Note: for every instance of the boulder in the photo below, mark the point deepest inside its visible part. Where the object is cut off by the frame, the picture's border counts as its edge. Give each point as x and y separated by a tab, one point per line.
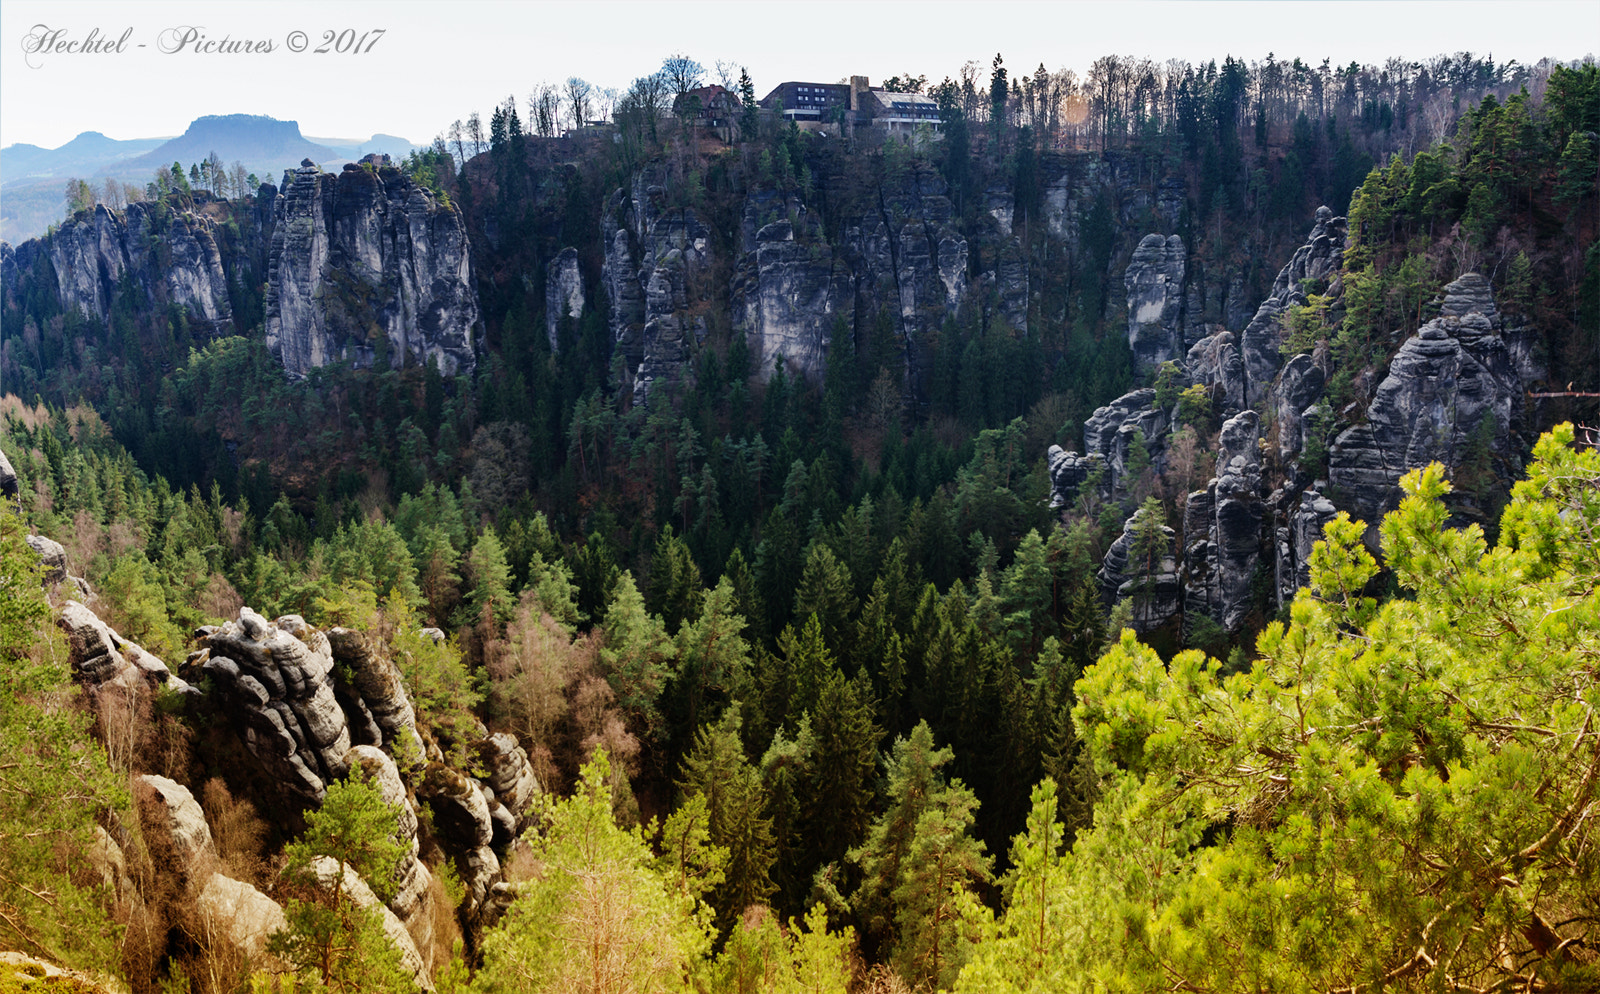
8	478
173	821
51	556
236	913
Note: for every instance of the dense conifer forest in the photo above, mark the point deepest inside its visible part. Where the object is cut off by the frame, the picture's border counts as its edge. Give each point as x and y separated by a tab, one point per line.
815	663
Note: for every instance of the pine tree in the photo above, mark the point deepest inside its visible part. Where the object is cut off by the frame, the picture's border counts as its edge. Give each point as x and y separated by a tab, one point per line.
328	935
490	596
637	656
717	770
598	916
57	781
827	592
675	587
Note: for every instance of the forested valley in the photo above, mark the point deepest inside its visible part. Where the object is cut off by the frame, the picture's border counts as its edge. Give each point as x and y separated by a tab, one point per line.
1132	532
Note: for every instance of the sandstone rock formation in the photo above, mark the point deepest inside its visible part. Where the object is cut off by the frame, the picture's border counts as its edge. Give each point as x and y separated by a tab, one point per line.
563	294
1215	362
171	257
1295	394
327	872
51	556
1140	568
1154	284
368	262
1222	527
1452	388
1111	430
100	656
412	880
510	776
654	255
279	691
175	824
1297	539
786	295
1068	472
1316	260
8	477
377	692
235	912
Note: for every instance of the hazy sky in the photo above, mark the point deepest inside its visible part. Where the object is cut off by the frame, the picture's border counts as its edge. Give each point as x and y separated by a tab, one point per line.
436	62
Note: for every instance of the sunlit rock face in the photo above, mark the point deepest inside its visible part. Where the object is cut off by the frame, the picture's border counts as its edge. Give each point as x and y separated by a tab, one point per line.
366	265
1452	393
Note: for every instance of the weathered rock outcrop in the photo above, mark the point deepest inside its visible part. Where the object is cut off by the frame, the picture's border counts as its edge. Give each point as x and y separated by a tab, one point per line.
1111	430
51	556
563	294
175	825
327	872
464	825
99	656
278	691
510	776
1140	568
1068	472
1295	395
367	263
1215	363
786	295
1154	283
8	477
170	256
1452	392
1222	527
1263	337
654	254
411	878
238	914
377	692
1297	539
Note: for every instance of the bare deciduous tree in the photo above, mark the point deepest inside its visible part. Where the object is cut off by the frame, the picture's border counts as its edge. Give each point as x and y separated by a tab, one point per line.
683	73
578	99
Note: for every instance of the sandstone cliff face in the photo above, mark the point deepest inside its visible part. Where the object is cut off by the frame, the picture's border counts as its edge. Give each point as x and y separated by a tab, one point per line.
789	288
1222	527
1452	394
1317	259
1452	387
654	254
363	263
1145	577
563	294
169	257
1155	288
